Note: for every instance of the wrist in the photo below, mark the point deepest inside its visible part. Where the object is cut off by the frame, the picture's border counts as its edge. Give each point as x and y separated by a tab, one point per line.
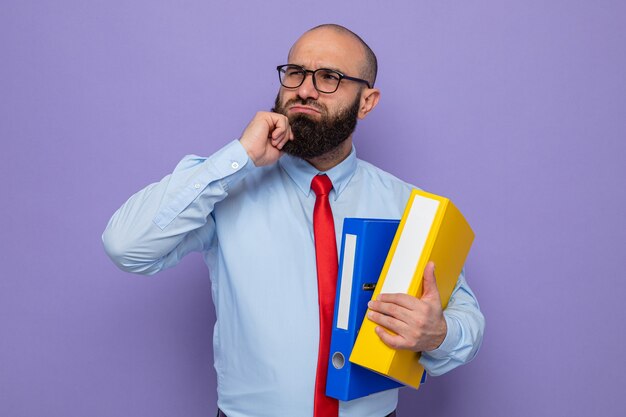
246	147
442	332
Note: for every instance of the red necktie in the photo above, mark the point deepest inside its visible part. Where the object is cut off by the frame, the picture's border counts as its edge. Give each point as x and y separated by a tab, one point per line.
326	260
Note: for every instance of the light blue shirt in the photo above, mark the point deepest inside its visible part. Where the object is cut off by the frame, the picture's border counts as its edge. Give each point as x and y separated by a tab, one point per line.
254	228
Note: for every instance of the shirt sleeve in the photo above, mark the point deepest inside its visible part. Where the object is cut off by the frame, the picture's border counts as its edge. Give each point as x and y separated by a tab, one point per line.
466	325
165	221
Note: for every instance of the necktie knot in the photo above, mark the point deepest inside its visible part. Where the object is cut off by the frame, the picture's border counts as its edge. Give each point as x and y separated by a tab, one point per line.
321	185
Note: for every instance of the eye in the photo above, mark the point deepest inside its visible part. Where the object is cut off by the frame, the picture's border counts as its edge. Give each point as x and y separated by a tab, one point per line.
293	72
329	76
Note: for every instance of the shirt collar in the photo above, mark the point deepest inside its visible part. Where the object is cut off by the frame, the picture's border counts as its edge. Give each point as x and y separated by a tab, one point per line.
301	172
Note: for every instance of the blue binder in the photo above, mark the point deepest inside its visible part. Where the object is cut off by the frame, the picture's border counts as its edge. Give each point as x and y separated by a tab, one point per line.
364	247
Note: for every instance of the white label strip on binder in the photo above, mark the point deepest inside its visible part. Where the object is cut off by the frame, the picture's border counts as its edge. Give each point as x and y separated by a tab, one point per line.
410	246
347	271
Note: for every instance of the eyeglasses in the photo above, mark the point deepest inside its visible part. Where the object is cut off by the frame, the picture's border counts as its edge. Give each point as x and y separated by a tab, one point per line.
324	80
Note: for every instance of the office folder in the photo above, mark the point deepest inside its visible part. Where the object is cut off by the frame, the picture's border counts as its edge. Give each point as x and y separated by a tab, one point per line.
364	247
431	229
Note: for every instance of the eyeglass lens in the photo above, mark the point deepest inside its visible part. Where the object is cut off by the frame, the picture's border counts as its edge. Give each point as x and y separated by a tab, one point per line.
326	81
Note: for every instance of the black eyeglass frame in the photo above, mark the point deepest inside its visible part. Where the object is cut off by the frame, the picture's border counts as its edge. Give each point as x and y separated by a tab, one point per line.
342	76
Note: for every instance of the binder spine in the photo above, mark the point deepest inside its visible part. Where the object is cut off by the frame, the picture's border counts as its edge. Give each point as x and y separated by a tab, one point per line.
364	248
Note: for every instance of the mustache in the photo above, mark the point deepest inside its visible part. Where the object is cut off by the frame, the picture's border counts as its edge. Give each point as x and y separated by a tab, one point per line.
305	102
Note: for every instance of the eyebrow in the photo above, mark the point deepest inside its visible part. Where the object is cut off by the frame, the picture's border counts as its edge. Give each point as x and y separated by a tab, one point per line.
322	67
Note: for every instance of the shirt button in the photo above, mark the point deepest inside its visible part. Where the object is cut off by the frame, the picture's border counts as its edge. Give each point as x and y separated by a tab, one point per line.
234	165
197	186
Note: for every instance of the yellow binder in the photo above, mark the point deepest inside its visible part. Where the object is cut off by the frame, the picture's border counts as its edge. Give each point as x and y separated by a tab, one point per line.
431	229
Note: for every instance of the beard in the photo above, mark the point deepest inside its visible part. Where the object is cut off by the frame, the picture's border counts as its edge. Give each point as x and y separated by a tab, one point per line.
314	138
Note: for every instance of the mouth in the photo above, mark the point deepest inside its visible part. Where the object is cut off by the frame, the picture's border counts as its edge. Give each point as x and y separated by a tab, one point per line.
303	109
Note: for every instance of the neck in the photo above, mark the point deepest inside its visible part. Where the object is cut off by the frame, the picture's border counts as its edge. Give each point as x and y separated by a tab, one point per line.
333	157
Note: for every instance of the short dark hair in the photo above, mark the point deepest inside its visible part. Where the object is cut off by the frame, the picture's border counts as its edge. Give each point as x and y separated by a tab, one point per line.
370	69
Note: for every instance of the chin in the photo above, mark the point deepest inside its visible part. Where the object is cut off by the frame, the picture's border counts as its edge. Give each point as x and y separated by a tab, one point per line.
301	115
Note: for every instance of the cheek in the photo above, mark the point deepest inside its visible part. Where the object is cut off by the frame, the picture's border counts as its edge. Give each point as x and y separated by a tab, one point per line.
337	107
279	102
286	95
343	101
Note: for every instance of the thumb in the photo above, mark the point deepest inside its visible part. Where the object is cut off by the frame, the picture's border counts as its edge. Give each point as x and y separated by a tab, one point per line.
431	292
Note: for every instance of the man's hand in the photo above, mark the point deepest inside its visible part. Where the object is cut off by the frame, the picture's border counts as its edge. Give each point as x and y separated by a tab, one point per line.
265	136
406	322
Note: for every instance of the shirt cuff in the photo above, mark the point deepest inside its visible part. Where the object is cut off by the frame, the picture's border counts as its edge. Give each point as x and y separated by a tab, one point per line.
450	342
195	175
230	164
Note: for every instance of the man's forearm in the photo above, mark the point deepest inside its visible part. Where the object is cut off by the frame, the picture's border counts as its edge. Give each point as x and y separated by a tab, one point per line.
165	221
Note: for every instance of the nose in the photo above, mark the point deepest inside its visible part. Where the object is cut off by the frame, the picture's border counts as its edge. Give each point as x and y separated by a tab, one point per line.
307	88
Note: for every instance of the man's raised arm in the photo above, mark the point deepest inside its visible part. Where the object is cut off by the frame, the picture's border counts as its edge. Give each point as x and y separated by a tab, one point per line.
165	221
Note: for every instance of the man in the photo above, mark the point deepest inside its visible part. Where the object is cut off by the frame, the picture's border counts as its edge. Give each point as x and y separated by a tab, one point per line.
249	208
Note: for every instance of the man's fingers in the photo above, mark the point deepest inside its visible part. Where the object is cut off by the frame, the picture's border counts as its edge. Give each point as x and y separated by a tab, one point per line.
278	137
281	132
400	299
278	132
280	121
265	136
392	340
431	292
285	138
407	322
392	323
390	309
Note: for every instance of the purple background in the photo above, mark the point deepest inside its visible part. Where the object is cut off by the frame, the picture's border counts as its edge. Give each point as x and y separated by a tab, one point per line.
515	110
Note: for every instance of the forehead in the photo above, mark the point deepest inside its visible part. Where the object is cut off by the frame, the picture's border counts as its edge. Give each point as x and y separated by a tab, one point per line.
327	48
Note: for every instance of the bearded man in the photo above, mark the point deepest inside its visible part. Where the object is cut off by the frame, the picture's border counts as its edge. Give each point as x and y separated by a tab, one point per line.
250	210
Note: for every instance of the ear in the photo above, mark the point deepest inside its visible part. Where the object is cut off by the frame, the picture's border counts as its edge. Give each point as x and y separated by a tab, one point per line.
369	100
